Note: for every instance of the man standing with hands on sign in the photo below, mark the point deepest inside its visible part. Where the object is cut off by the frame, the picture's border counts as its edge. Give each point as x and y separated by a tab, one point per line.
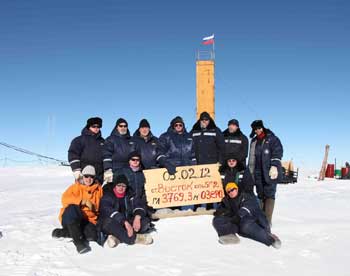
265	165
176	147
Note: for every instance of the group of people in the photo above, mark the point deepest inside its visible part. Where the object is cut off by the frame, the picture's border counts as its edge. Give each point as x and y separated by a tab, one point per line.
107	202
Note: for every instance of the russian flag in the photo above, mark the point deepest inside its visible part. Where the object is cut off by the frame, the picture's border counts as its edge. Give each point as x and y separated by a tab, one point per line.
208	40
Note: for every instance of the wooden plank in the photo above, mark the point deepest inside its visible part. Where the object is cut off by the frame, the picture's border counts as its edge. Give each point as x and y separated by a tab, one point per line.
324	164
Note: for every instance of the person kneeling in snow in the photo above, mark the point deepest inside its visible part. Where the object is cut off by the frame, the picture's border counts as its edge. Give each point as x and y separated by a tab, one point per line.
123	215
240	213
79	214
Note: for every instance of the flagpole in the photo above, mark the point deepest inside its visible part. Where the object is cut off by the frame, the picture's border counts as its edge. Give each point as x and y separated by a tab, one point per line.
214	47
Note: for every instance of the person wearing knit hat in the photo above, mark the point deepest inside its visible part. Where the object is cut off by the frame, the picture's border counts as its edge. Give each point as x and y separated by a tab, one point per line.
80	210
86	149
116	150
235	141
239	213
265	165
208	141
147	144
122	216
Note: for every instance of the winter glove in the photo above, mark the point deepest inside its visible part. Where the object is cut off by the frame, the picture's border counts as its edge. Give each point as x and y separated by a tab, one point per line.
236	220
77	175
108	176
170	168
273	173
87	203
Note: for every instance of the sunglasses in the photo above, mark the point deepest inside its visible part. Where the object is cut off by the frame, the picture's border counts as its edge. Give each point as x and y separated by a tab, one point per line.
95	126
135	159
121	185
229	191
205	120
89	176
178	125
123	126
231	160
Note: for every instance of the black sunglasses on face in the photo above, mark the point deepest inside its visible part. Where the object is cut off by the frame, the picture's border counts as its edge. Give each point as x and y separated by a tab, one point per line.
88	176
135	159
95	126
231	190
122	126
178	125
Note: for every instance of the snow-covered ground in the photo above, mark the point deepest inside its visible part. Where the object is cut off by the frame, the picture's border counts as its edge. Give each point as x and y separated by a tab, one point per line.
312	219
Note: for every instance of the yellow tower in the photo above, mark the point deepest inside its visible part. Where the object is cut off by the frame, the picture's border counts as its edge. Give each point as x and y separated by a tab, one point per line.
205	83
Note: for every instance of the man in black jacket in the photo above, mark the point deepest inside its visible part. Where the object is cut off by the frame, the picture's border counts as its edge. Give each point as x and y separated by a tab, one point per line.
208	140
86	149
235	141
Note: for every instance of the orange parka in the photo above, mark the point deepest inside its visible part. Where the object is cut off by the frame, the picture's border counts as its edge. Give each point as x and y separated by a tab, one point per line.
78	192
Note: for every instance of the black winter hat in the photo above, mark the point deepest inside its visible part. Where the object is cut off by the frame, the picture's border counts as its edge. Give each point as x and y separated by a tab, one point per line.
120	121
121	179
233	122
204	115
177	119
144	123
94	121
257	124
134	154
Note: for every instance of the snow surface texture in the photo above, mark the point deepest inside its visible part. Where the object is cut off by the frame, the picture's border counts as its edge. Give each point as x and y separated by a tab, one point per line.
312	219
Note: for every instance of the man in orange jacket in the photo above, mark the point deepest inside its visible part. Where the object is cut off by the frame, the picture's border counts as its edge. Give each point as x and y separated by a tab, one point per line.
78	216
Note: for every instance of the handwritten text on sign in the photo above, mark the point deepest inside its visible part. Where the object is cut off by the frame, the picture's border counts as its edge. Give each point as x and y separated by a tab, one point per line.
190	185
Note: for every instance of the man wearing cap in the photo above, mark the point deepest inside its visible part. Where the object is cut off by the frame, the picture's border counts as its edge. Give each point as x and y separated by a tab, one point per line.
235	141
86	149
116	150
80	210
208	140
176	146
146	144
265	164
239	213
123	216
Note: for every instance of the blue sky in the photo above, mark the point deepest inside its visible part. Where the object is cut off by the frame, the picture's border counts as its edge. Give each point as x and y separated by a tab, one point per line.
286	62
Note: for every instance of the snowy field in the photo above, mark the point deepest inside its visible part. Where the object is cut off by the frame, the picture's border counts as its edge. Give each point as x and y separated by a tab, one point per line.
311	218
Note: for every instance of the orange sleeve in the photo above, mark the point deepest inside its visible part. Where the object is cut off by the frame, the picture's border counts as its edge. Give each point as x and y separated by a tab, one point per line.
72	195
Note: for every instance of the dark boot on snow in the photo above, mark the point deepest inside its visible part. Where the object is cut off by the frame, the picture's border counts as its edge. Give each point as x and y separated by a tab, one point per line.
78	238
277	242
60	233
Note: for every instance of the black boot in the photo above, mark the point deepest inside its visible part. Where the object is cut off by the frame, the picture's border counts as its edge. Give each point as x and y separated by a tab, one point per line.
60	233
78	239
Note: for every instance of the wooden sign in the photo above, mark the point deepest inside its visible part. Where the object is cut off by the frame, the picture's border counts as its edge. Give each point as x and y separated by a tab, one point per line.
190	185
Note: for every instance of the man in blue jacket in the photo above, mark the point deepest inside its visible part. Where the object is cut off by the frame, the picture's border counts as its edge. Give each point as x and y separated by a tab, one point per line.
147	145
239	213
123	216
116	150
265	165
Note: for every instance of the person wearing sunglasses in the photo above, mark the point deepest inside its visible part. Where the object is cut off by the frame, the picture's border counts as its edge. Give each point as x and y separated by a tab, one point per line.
208	140
233	169
176	146
80	210
116	150
265	165
147	144
239	213
123	216
86	149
